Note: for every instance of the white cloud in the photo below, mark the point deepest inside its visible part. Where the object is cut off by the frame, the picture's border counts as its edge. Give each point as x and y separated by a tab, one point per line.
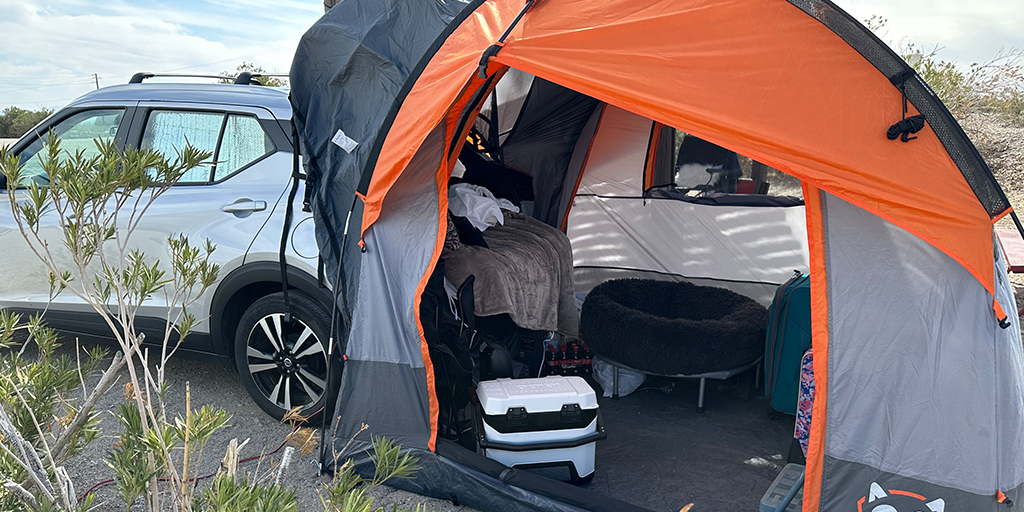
965	31
49	51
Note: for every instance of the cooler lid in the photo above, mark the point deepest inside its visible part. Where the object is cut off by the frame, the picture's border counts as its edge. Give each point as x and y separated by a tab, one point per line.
547	394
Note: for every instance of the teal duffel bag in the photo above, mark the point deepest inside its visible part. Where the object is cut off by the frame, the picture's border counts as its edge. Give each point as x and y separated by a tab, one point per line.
788	336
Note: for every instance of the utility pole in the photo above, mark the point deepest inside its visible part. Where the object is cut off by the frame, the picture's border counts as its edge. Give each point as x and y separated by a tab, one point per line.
96	76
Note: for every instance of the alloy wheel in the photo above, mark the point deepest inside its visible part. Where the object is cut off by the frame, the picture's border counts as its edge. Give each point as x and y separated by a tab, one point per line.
286	361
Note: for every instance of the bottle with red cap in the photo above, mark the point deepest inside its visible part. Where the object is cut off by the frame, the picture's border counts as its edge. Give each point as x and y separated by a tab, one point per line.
571	357
588	359
560	362
577	358
552	366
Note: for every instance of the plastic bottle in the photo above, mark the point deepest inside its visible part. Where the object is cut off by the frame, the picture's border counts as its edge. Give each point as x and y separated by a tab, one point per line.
572	356
577	359
588	359
560	361
552	364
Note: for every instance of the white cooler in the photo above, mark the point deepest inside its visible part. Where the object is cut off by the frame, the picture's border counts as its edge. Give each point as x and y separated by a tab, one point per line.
547	425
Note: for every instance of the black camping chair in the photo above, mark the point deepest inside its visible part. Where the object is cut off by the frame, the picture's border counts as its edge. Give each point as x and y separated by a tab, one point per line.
495	359
464	298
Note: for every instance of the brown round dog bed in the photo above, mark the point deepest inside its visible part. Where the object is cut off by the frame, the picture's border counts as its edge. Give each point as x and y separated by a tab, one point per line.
672	328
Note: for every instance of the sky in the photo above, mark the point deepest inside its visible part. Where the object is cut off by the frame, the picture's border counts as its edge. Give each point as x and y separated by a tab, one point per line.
50	49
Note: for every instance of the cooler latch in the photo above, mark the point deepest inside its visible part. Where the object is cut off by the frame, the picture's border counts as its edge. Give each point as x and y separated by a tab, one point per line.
571	413
516	417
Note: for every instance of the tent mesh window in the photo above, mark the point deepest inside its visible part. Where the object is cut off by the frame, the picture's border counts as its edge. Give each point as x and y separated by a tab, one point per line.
960	149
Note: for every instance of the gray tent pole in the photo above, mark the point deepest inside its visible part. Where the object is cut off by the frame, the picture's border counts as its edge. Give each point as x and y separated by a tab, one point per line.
335	313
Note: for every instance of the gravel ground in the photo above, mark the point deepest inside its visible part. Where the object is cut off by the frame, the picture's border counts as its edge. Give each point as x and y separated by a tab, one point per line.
211	383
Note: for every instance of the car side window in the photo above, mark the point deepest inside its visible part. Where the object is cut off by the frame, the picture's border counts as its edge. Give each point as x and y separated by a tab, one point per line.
76	133
244	142
235	140
168	132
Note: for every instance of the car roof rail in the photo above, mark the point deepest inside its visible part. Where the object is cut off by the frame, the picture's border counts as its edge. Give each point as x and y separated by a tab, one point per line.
243	78
247	78
137	78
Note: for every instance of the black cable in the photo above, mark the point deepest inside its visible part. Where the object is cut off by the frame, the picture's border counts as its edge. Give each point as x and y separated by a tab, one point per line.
286	229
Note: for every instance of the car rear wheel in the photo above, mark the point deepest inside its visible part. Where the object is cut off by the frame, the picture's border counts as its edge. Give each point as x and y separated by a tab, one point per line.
282	363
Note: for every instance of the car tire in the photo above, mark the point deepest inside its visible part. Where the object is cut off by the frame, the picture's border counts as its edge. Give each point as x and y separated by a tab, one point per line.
284	365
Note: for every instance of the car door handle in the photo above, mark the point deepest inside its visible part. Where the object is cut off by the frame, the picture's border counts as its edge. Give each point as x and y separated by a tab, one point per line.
244	205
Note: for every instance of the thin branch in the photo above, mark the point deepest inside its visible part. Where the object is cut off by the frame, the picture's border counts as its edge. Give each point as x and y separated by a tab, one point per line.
22	494
29	459
101	389
42	435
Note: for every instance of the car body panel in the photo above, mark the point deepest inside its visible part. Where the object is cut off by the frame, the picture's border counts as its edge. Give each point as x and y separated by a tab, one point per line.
248	239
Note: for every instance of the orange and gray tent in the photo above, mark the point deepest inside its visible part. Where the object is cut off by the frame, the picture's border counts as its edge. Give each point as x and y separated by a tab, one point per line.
919	369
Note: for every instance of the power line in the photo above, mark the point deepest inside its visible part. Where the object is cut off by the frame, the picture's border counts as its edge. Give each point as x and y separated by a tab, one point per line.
31	87
275	50
52	80
94	78
47	102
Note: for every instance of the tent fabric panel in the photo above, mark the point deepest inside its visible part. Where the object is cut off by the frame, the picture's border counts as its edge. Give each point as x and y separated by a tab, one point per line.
911	388
385	343
749	244
348	69
558	215
365	386
949	131
615	166
1009	358
653	145
470	479
442	81
543	141
510	94
663	169
442	477
902	492
729	81
816	242
398	250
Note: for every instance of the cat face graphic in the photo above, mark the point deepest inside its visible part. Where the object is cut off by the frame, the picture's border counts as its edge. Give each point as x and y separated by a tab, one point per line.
878	500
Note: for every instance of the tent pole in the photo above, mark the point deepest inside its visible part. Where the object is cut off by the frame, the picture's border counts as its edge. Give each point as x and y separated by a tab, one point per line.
1016	221
492	50
335	313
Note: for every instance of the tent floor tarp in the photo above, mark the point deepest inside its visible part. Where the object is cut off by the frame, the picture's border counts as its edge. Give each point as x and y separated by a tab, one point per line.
661	454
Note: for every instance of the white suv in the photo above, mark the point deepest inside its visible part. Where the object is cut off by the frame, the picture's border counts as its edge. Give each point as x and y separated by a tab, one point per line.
239	204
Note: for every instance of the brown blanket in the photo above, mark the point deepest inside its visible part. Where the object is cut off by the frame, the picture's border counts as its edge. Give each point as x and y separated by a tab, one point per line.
525	272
